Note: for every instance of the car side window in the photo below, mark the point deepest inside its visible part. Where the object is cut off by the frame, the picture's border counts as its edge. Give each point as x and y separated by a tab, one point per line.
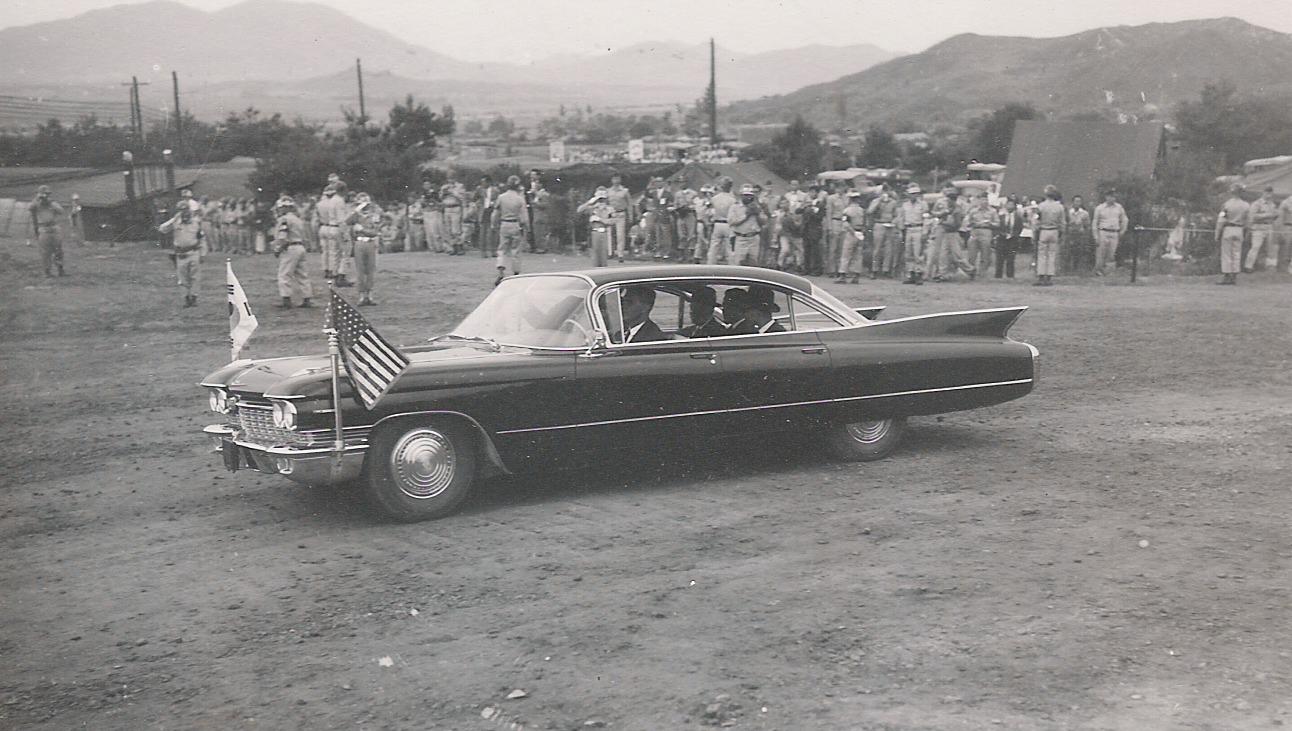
807	316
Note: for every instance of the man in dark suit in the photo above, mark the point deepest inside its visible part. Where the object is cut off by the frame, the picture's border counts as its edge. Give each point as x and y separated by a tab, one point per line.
1007	238
704	324
758	304
636	303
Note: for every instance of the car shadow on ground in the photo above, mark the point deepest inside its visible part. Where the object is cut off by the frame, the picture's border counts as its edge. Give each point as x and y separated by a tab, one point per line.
651	471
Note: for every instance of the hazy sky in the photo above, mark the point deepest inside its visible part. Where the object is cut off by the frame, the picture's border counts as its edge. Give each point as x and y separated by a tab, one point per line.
477	30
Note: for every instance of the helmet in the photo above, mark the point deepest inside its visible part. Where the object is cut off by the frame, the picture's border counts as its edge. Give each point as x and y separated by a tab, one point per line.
747	189
913	189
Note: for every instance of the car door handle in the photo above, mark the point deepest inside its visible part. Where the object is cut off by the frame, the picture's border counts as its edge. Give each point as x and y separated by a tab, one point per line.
711	357
814	350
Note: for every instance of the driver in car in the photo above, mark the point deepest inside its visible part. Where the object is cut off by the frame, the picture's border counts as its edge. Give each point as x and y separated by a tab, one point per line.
636	304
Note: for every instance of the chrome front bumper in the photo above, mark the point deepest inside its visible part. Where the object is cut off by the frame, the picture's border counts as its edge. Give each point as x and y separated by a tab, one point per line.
306	465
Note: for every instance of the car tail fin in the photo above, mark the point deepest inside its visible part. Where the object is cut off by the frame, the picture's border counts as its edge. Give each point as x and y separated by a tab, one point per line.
993	323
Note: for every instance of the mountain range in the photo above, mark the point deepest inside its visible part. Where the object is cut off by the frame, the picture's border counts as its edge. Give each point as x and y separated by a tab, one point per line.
1131	71
260	42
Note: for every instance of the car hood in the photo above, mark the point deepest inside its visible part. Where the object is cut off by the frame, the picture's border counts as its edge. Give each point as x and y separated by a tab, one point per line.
310	375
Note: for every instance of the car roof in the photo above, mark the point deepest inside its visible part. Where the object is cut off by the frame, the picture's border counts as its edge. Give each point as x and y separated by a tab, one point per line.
610	275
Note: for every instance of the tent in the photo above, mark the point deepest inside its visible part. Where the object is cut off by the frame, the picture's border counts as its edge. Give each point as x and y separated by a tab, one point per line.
1076	156
696	174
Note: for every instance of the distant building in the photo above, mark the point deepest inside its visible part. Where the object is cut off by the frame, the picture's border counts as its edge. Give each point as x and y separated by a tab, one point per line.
754	134
1076	156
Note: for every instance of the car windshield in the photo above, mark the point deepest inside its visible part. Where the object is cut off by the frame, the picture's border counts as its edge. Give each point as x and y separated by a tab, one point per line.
541	312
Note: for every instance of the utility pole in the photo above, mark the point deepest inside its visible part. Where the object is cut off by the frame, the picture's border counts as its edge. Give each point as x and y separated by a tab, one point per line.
179	118
363	110
713	94
136	111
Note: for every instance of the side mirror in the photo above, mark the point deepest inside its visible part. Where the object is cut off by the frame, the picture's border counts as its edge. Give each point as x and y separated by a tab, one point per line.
597	345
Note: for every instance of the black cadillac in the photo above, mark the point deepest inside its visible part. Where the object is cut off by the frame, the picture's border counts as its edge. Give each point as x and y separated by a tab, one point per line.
555	370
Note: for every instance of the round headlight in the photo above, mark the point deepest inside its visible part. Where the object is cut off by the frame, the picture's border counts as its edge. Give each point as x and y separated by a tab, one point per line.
219	401
284	415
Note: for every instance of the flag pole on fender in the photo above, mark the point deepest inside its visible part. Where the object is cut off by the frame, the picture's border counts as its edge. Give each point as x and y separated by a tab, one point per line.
334	354
242	321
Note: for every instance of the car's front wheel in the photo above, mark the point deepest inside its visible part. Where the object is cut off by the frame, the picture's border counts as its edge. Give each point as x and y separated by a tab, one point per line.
420	471
866	441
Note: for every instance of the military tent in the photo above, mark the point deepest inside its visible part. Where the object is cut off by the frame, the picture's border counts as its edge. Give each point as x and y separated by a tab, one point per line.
1076	156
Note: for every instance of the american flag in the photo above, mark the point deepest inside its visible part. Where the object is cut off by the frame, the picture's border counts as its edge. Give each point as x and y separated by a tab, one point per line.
373	364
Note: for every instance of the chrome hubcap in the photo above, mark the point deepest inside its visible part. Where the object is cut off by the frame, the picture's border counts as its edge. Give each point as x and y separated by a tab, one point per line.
869	432
423	463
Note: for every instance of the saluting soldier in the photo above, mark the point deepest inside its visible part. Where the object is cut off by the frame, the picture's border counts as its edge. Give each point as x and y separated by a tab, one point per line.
850	256
365	227
836	229
289	247
912	217
883	212
45	217
983	222
186	234
949	212
1261	217
513	215
540	214
1231	225
621	200
746	218
684	218
600	222
703	206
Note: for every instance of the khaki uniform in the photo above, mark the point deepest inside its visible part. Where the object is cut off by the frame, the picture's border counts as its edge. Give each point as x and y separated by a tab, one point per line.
1051	220
1261	217
331	213
720	238
513	215
885	235
982	223
1230	227
365	228
451	210
600	230
851	251
910	221
684	219
746	224
415	231
944	255
836	231
45	218
289	243
187	248
1109	223
621	200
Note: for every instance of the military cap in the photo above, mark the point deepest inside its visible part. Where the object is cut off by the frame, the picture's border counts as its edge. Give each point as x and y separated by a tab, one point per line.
76	196
854	193
1052	190
913	189
747	189
601	192
42	190
1237	188
513	181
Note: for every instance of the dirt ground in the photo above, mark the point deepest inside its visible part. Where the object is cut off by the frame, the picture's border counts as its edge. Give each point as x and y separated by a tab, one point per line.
1111	552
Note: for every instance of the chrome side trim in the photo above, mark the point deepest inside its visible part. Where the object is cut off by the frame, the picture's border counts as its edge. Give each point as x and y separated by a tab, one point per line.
771	406
1021	309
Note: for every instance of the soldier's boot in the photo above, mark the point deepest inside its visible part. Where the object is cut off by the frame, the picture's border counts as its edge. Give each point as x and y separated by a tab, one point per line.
327	274
305	303
910	279
286	304
341	281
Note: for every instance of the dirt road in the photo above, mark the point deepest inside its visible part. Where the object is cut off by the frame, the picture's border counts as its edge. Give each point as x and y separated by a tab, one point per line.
1111	552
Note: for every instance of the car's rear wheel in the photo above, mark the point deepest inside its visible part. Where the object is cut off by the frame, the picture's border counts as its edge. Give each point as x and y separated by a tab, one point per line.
866	441
420	470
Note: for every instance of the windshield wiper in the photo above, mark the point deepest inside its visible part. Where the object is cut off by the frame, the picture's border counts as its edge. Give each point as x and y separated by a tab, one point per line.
467	338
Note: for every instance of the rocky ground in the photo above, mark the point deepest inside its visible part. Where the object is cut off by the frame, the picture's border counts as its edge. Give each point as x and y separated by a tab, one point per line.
1111	552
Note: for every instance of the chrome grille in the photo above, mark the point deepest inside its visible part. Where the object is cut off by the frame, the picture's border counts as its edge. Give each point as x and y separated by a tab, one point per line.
257	421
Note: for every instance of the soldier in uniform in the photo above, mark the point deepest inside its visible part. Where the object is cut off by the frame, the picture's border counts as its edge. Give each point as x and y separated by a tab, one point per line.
289	247
1077	243
1283	255
331	213
684	221
621	200
470	222
415	231
1011	225
513	217
791	234
540	213
983	223
702	205
600	221
1231	225
883	212
45	218
945	252
746	218
1051	222
813	231
365	225
720	232
78	221
910	220
1109	223
836	229
1260	222
451	201
186	234
851	258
